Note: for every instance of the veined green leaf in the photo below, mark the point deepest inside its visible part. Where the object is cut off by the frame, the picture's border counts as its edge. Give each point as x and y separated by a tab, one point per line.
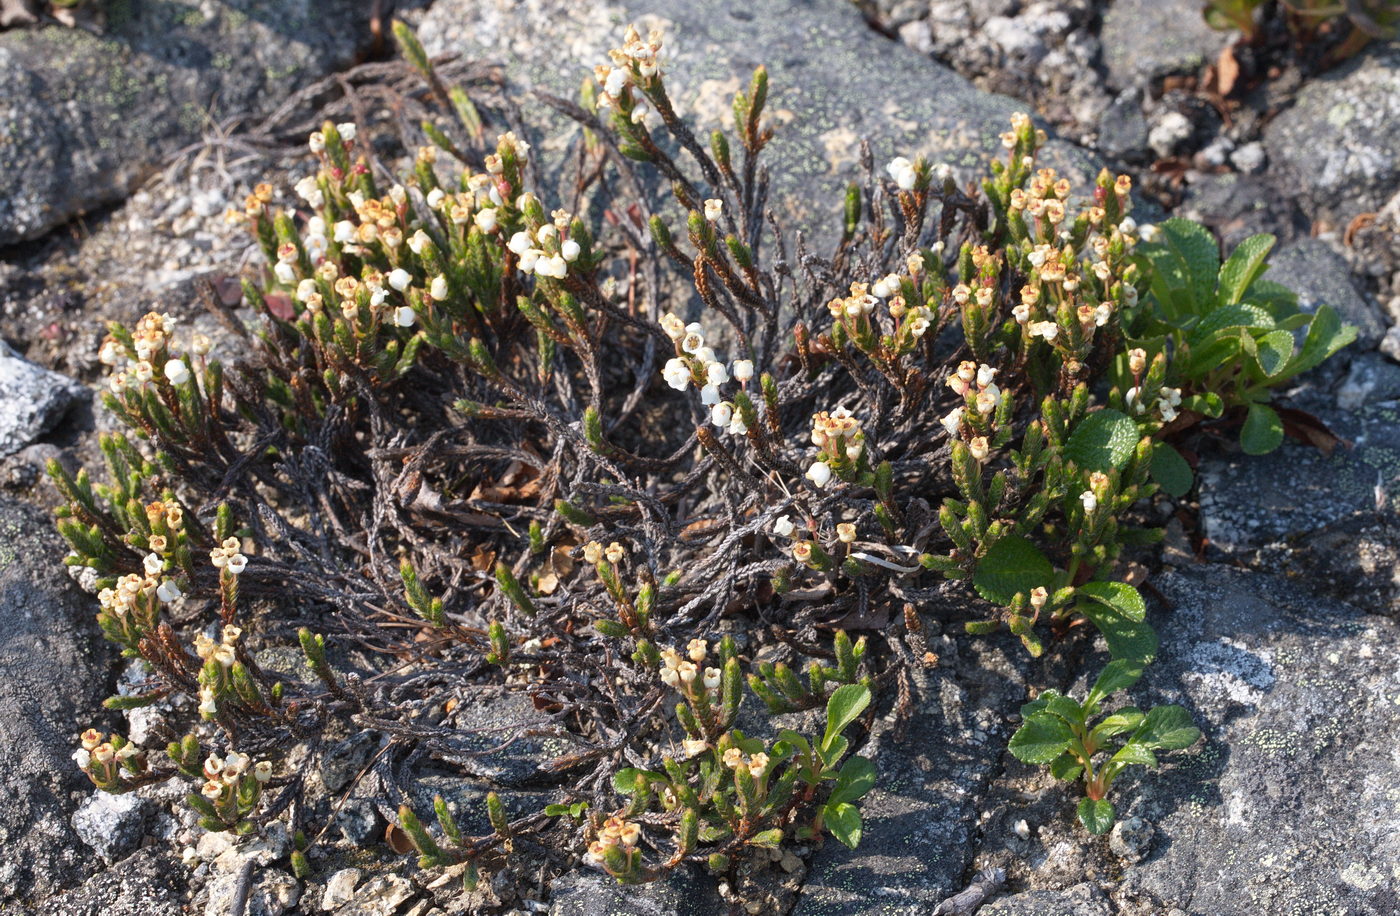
1245	265
1170	471
1041	738
1103	441
1120	596
847	702
1168	728
1262	432
1096	816
1012	565
1273	351
1118	674
843	820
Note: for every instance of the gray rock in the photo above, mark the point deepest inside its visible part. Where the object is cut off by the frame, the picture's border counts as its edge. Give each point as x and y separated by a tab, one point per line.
1145	40
1338	147
112	825
1312	269
340	888
53	674
920	820
497	721
1250	158
32	399
229	855
1248	501
1122	127
824	95
1371	379
1080	900
89	116
344	760
1131	839
1171	131
360	822
1237	206
1357	560
150	881
682	893
380	896
1289	806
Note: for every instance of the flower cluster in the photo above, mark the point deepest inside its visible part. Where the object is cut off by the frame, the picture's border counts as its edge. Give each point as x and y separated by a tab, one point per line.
985	406
682	673
1168	402
107	760
696	363
855	320
548	251
220	658
637	61
842	442
142	355
222	773
129	592
220	652
595	552
616	835
229	556
756	764
232	788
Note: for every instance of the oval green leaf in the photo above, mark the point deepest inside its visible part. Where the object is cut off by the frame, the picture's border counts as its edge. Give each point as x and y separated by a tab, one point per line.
1096	816
1012	565
1170	471
1120	596
847	702
1273	351
1103	441
1041	739
843	820
1263	430
1169	728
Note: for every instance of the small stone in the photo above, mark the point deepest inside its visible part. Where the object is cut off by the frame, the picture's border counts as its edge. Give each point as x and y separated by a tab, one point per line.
359	821
207	203
1122	128
380	897
1131	839
1171	131
270	844
1390	343
272	893
1216	153
1250	158
141	724
32	400
340	888
113	825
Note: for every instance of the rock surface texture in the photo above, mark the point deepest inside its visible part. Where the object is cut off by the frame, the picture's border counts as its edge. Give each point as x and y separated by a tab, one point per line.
1290	805
1339	145
32	400
51	682
87	117
833	82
